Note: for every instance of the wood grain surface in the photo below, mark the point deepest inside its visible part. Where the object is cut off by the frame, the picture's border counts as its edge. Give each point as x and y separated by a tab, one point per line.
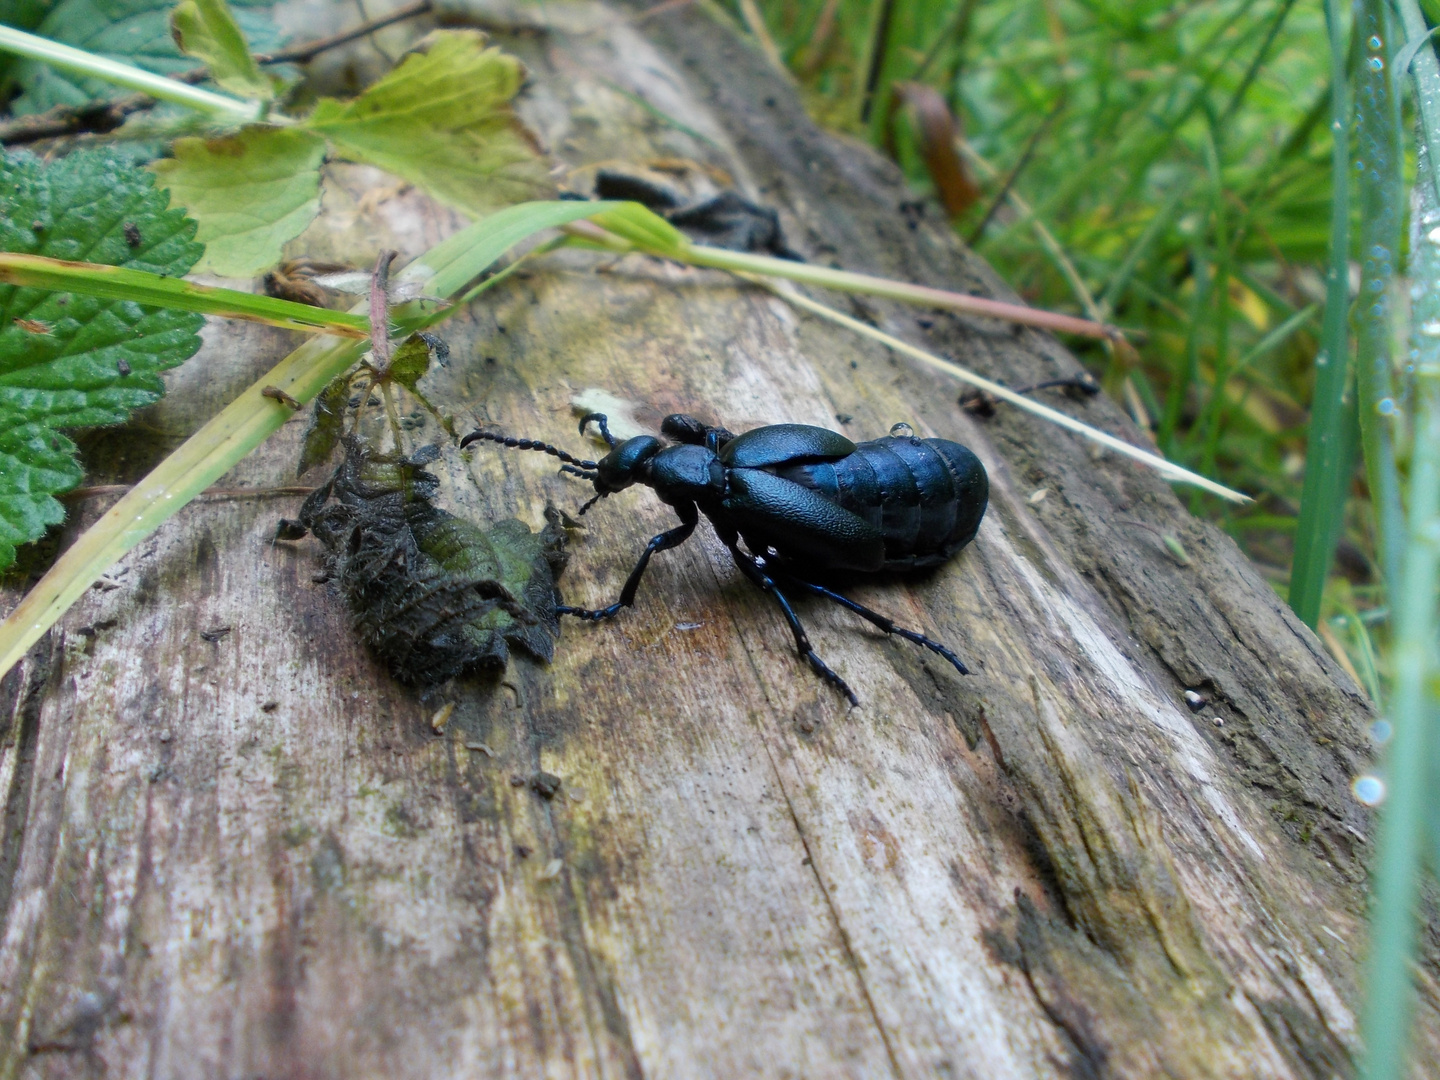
234	847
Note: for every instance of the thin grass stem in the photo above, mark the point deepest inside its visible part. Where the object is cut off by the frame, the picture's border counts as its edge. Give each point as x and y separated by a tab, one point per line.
127	75
1168	469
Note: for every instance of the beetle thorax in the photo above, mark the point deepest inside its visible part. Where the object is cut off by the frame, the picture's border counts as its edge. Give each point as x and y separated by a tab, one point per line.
686	474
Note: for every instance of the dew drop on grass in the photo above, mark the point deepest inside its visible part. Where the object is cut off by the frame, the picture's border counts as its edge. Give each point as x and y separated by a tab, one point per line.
1368	789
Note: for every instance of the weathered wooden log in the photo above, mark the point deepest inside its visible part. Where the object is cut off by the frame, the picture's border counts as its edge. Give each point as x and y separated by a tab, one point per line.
234	846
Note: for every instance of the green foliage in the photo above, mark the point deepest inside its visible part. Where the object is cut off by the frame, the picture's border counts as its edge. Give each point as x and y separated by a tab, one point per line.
442	120
251	192
136	31
68	360
206	30
1181	159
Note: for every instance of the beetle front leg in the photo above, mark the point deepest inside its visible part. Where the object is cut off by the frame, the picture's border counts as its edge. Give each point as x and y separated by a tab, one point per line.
751	568
689	518
881	621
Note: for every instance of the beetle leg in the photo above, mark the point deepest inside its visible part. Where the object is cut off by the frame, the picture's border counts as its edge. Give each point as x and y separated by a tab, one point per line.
881	621
751	568
689	518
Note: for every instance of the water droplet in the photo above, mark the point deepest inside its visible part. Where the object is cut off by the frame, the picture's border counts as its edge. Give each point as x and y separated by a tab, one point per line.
1431	328
1385	407
1380	732
1433	236
1375	43
902	430
1376	64
1379	251
1368	789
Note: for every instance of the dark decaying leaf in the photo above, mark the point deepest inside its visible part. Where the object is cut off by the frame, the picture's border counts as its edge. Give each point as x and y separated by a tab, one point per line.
411	361
326	421
433	595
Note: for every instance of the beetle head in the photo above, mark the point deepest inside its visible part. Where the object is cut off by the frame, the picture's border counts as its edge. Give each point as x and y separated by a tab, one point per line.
626	464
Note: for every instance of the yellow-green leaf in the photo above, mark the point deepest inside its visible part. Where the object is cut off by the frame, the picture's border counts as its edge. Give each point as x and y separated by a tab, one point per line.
443	121
251	192
206	30
644	228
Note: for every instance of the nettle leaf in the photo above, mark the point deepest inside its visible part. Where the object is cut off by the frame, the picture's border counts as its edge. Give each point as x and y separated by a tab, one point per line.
251	192
69	360
206	30
136	31
443	121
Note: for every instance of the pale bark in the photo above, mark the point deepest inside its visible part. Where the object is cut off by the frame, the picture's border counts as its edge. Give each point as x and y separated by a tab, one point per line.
253	857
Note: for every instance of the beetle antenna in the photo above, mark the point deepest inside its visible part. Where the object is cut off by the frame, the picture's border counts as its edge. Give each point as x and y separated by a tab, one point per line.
603	421
526	444
582	473
591	503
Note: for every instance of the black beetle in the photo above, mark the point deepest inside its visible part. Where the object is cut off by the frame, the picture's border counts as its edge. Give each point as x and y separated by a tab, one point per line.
808	503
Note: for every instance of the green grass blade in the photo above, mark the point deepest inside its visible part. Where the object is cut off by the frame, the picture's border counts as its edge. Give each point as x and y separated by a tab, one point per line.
1381	197
252	417
1389	1001
118	283
1330	446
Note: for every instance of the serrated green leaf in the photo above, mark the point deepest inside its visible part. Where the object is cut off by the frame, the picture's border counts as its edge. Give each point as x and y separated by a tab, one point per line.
251	192
68	360
206	30
137	31
326	422
443	121
34	462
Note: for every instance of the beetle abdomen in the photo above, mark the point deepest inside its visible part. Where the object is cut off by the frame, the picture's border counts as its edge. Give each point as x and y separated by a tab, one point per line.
925	496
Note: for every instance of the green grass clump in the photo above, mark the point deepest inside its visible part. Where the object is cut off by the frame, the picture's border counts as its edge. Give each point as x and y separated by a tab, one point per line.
1180	154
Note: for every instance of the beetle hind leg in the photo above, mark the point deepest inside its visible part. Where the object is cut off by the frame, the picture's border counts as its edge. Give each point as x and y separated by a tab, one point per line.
751	568
876	619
